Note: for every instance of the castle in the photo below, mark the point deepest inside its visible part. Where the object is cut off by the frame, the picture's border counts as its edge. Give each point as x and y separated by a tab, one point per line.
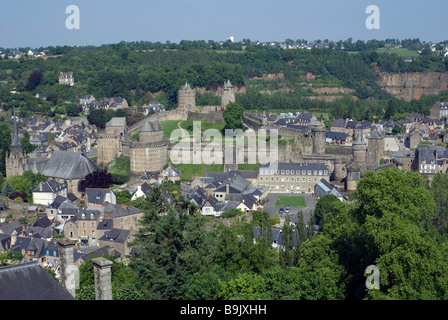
150	151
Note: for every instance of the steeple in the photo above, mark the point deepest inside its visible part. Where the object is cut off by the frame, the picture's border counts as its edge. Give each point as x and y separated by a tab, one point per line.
16	144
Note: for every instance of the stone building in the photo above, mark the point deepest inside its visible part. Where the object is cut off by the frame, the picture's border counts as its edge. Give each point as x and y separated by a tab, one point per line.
359	150
66	78
186	98
375	148
292	177
150	152
110	143
16	160
318	134
69	167
228	95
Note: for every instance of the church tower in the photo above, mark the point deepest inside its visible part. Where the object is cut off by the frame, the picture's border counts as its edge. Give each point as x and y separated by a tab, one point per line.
16	160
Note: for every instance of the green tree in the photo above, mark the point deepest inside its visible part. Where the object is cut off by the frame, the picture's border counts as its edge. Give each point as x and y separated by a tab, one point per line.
7	189
289	251
27	146
233	116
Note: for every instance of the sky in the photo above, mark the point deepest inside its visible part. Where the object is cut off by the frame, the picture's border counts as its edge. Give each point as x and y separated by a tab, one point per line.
31	23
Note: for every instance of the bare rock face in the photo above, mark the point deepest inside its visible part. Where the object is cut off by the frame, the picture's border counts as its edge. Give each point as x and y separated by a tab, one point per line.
408	86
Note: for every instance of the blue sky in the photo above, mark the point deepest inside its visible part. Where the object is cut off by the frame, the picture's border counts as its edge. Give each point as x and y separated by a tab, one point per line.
30	23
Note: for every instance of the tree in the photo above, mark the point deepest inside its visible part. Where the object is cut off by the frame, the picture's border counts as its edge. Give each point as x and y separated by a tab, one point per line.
27	146
7	189
96	179
97	117
289	252
34	80
20	184
233	116
72	110
324	205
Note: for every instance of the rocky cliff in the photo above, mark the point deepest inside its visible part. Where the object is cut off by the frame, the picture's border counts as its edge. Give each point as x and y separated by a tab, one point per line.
410	86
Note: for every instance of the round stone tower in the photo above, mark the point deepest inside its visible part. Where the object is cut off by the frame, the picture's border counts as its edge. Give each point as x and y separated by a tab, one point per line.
318	134
353	175
359	150
186	98
228	95
375	148
339	170
150	153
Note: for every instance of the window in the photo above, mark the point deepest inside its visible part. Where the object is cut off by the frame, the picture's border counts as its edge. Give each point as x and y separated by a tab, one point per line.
287	171
297	172
261	178
314	172
55	253
283	171
303	172
309	172
92	216
325	172
83	216
320	172
47	252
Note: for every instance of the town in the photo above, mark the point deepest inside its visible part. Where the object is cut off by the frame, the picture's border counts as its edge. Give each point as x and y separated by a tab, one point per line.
79	190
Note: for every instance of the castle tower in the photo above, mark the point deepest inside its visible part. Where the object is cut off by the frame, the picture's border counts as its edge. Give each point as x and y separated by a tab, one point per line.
264	119
109	143
228	95
186	98
16	160
375	148
318	134
353	175
359	150
150	153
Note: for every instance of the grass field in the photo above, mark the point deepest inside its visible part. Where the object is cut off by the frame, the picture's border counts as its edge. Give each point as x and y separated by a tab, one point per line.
402	52
293	201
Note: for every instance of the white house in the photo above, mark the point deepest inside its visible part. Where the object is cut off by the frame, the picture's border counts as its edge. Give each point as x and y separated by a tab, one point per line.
45	193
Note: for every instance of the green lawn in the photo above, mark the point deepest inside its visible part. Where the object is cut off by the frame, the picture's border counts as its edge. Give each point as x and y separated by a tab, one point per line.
188	171
293	201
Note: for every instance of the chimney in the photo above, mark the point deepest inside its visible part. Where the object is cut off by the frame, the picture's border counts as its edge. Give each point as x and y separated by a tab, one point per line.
227	189
68	269
40	186
103	278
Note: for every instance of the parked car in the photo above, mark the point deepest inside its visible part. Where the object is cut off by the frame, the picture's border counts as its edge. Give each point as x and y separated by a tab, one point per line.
280	210
287	209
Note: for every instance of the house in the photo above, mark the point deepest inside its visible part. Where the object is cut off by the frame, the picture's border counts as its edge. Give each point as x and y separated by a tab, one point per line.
323	187
116	103
66	78
144	190
124	216
231	188
338	138
439	111
153	107
97	197
277	237
170	173
46	192
86	99
82	227
248	203
117	239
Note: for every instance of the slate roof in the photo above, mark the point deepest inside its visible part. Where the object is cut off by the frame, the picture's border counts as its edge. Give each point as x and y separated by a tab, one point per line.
116	122
151	126
97	195
29	281
116	235
51	186
338	123
120	210
105	224
359	140
336	135
296	166
68	165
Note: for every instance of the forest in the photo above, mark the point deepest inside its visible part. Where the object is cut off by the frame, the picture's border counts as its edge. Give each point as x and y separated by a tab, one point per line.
396	221
142	71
